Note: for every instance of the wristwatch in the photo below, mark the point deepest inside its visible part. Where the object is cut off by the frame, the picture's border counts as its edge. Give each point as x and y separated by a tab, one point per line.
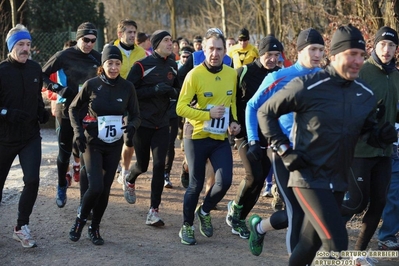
282	149
3	112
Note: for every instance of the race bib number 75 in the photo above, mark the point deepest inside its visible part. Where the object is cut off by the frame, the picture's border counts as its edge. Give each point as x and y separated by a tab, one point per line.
109	128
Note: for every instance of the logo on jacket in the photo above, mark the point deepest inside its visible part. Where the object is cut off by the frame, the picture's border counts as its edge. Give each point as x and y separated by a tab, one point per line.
208	94
170	76
35	80
100	87
359	179
218	78
230	92
359	94
119	100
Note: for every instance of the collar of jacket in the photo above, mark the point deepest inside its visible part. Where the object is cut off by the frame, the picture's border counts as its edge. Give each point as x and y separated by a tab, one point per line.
15	62
337	78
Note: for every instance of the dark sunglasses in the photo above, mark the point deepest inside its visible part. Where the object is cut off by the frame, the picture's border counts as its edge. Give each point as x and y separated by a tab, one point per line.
87	40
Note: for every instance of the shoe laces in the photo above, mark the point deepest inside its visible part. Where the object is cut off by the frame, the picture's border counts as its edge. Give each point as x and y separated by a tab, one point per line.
61	192
236	212
154	212
130	187
243	225
188	230
25	232
95	232
207	220
77	226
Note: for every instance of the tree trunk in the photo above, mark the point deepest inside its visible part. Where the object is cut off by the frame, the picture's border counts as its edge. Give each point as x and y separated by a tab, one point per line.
171	5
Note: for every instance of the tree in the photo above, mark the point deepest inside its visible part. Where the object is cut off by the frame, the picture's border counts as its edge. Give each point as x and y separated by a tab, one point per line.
61	15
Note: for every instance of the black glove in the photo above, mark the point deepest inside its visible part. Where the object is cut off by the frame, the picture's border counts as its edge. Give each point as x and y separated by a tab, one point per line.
16	116
387	134
254	152
43	116
64	92
162	88
380	111
129	130
80	141
294	160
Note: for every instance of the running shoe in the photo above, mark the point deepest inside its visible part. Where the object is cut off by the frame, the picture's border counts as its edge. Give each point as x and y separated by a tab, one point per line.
365	261
205	222
388	245
94	235
233	213
61	197
255	239
240	229
76	230
167	182
129	192
24	237
122	176
186	235
268	192
153	218
277	202
76	172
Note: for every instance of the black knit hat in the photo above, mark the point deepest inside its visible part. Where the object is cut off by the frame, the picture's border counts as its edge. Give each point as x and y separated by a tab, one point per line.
111	52
269	43
86	28
308	36
346	37
386	33
244	34
157	37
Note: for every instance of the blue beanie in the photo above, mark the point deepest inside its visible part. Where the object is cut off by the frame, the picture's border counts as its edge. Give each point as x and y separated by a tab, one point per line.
13	39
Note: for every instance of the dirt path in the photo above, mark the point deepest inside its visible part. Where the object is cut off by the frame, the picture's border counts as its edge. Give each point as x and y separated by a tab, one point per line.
128	241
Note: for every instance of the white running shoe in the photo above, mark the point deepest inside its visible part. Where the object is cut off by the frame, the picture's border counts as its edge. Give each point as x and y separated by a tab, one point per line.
24	237
123	175
153	218
129	192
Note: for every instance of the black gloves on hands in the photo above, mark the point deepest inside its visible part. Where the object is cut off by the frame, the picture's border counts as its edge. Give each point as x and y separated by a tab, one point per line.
80	141
387	134
129	130
254	152
294	160
43	116
59	89
162	89
16	116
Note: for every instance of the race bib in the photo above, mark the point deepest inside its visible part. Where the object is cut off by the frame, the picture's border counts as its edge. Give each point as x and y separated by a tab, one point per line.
109	128
217	126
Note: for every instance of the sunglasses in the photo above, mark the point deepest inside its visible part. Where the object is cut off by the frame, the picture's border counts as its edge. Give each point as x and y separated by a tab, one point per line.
87	40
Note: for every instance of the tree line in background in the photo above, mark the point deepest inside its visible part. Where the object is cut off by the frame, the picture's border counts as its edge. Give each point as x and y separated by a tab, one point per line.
186	18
